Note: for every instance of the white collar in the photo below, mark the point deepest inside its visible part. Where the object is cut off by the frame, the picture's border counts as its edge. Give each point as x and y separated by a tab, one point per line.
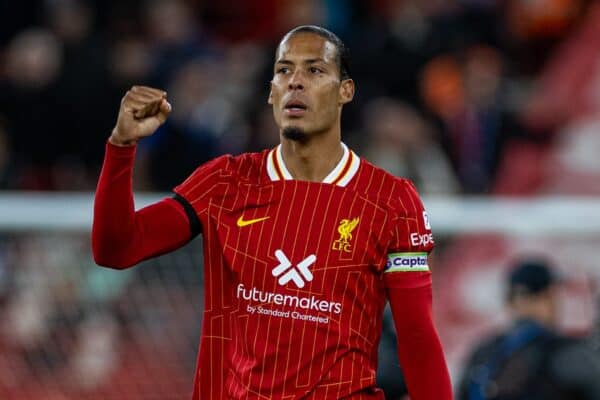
341	174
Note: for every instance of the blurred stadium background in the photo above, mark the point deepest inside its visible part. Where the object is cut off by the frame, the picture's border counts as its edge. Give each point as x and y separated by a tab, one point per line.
491	107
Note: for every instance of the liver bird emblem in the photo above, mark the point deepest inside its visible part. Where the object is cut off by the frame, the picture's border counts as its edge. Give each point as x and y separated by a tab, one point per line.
345	229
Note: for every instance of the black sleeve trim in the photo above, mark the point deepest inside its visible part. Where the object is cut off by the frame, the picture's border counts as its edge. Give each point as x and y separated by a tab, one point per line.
195	226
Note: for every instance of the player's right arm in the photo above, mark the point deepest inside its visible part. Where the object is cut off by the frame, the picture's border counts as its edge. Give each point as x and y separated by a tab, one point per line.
122	237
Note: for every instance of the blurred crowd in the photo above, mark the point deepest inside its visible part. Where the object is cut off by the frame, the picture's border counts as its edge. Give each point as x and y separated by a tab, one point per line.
461	96
71	330
447	90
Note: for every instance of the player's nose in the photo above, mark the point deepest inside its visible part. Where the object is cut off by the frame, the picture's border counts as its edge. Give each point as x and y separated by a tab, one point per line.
296	81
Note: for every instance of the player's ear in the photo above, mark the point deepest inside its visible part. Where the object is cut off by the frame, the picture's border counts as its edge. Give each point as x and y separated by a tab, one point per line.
346	91
270	98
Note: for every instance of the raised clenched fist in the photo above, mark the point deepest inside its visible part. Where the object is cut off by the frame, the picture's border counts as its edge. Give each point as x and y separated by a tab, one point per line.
143	110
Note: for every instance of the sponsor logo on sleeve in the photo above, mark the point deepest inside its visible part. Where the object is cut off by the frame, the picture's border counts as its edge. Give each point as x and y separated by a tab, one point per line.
417	239
405	262
426	220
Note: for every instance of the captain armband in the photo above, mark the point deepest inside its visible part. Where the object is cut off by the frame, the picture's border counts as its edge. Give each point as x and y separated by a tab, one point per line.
406	262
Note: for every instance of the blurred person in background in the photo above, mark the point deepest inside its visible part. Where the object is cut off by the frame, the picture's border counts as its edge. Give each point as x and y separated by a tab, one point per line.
84	71
466	92
29	101
531	359
245	207
403	142
408	32
177	37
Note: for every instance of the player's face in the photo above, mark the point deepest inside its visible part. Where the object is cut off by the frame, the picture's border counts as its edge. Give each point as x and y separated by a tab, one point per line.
306	92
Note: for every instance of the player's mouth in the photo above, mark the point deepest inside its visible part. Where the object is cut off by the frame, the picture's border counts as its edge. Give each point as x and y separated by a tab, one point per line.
295	108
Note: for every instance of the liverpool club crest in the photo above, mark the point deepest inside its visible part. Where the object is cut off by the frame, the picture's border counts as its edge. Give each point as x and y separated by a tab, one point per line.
345	229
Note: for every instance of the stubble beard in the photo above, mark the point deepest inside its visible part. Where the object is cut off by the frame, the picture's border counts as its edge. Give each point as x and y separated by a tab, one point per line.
294	133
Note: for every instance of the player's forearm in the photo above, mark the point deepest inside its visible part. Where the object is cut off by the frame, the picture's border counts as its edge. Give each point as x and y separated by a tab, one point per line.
114	214
122	237
419	348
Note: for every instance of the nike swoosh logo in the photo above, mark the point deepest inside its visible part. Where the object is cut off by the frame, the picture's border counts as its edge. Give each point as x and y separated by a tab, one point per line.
241	222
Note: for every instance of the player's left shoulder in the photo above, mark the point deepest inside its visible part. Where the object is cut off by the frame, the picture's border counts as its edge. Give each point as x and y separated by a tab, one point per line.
391	190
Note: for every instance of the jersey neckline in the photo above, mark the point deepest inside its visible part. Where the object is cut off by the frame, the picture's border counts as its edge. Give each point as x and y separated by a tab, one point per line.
340	175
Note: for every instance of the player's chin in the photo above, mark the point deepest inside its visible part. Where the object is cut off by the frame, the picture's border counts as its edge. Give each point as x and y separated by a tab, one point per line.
294	132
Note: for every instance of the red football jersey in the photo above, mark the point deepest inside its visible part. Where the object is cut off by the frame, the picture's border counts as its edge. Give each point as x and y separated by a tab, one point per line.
296	272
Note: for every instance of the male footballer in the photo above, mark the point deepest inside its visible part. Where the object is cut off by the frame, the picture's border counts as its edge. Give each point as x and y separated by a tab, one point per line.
303	244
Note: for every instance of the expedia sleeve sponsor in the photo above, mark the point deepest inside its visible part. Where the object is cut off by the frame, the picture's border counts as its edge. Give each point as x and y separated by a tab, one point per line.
404	262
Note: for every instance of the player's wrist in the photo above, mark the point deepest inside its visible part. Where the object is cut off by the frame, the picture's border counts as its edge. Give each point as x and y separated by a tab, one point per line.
116	140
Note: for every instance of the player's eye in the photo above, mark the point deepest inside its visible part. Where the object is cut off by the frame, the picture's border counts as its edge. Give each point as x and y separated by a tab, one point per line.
282	70
315	70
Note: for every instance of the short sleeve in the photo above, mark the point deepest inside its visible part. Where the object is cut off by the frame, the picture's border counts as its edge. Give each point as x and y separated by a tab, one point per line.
412	239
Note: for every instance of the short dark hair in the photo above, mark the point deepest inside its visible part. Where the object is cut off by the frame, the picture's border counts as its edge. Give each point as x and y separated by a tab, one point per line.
530	277
343	54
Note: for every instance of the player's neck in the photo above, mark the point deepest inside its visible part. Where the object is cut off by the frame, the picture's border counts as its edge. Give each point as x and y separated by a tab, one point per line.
314	159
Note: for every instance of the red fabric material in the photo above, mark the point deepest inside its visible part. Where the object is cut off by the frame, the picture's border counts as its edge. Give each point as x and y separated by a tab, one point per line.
425	372
121	236
333	361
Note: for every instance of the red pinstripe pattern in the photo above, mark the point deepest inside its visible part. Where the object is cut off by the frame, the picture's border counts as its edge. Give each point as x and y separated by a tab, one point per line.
250	354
